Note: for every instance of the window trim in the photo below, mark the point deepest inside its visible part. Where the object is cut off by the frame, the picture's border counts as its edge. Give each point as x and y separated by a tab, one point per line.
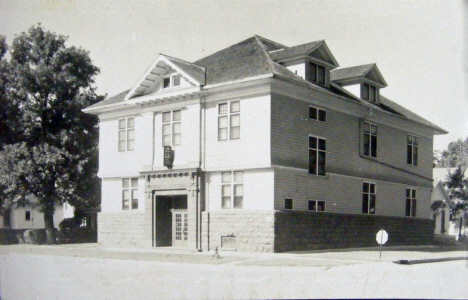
229	115
126	130
232	183
318	110
413	210
316	205
376	135
317	151
292	203
171	124
171	81
413	147
130	190
369	198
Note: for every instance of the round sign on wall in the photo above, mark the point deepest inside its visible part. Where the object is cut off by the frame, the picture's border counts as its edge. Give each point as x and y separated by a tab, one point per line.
381	237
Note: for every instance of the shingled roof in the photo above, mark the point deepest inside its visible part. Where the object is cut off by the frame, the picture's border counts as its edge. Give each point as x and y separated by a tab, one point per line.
253	57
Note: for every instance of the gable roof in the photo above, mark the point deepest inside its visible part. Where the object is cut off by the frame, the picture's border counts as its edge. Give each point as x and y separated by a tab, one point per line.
195	74
358	74
320	48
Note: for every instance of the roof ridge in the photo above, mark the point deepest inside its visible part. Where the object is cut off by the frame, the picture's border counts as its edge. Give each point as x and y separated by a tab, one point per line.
318	42
265	52
365	65
243	41
182	60
256	35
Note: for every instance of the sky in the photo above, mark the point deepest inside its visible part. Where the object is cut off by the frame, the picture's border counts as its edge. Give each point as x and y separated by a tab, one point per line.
419	46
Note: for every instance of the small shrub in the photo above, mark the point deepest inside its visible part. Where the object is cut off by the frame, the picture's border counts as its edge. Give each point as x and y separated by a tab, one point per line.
77	235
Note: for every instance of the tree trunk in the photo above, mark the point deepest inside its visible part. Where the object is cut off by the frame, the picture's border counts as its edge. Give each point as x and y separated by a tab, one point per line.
49	227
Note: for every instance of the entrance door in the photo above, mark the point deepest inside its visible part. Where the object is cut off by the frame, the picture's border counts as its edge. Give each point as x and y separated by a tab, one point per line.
164	220
179	228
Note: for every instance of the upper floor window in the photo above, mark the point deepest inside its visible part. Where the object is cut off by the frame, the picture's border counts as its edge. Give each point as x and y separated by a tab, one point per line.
171	81
370	139
172	128
368	198
232	189
317	73
288	203
129	193
229	121
369	92
316	205
412	150
127	134
410	202
317	114
317	156
27	215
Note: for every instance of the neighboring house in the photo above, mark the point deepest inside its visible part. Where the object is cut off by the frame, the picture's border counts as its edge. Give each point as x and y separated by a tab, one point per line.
441	207
262	147
30	217
441	204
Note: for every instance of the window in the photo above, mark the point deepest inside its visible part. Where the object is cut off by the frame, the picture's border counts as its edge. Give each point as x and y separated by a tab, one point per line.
288	203
369	92
317	73
229	121
232	189
27	215
129	193
412	150
171	81
126	134
410	202
368	198
317	114
171	128
370	139
316	205
317	156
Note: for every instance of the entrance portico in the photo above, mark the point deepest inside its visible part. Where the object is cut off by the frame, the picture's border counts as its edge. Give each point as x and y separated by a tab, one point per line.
175	206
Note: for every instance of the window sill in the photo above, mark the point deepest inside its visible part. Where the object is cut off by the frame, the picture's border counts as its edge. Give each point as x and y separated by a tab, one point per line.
323	177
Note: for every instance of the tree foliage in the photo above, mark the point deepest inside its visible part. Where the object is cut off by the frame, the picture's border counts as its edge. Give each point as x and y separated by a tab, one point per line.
49	146
455	154
457	185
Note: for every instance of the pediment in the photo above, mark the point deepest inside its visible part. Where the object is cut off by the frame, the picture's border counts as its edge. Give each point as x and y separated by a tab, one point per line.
164	67
323	53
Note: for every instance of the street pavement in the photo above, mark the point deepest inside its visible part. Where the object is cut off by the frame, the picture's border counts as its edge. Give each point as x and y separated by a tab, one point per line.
90	272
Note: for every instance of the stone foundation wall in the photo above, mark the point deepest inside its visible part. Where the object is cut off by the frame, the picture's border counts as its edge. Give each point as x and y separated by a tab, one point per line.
303	230
124	229
241	230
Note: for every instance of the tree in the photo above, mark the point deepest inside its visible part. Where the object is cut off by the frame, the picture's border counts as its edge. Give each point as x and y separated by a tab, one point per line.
455	154
457	184
49	145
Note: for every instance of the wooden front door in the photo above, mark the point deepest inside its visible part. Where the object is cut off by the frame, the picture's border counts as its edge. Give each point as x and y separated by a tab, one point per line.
179	228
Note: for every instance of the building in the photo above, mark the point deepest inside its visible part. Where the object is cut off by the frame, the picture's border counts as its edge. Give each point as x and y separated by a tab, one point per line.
29	216
262	147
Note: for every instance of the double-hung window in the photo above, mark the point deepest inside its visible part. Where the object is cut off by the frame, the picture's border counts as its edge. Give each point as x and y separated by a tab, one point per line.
370	139
368	198
316	205
317	114
171	128
229	121
317	156
27	215
232	189
317	73
410	202
129	193
412	150
126	134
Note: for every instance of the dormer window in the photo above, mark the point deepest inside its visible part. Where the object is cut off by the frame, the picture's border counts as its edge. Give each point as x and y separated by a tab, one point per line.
317	73
171	81
369	92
